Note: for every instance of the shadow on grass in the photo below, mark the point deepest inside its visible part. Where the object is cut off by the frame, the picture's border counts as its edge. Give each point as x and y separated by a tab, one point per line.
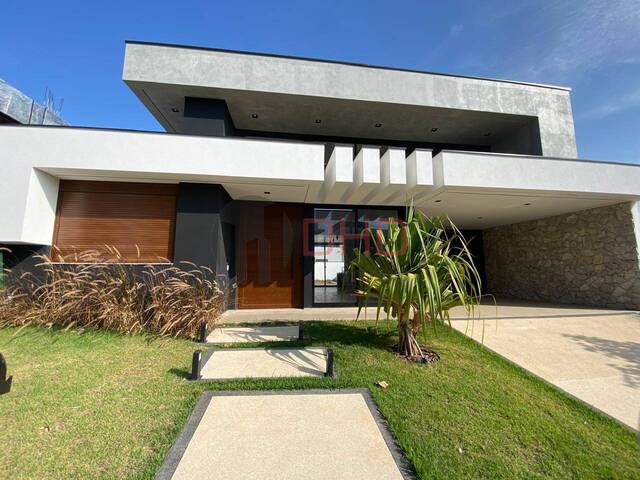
323	333
180	372
319	333
352	333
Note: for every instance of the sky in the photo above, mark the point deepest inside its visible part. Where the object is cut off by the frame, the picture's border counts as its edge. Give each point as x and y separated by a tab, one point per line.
76	49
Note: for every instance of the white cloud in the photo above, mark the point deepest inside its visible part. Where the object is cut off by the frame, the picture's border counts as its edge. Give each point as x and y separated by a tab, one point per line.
613	105
576	36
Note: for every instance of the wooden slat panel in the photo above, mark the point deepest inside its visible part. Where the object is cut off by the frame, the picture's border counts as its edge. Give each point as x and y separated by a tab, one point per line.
122	215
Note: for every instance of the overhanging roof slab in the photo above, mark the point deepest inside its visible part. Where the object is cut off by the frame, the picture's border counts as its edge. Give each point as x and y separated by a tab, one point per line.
482	190
526	173
360	101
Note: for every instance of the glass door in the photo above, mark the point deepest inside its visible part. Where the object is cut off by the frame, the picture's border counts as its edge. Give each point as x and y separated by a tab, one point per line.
333	246
336	235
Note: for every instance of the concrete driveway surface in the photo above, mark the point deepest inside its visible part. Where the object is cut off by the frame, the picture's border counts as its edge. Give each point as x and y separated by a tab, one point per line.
593	354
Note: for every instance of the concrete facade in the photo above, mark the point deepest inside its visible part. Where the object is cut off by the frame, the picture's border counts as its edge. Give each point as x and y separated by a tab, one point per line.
286	94
587	258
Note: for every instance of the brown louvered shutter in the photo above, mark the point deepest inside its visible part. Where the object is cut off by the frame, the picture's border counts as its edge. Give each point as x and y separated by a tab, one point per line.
123	215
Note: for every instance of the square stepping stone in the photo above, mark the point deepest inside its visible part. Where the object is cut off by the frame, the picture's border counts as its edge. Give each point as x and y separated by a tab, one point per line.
229	363
276	333
286	435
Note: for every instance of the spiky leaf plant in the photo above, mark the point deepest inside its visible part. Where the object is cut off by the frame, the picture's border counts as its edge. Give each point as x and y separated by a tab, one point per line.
417	270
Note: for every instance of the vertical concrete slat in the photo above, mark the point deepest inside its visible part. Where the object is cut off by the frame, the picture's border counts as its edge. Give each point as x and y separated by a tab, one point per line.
366	174
338	174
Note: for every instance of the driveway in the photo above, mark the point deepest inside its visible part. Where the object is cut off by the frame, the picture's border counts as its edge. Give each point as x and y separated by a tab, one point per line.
593	354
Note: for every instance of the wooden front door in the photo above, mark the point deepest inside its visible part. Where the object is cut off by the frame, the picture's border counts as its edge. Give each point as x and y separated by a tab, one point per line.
269	254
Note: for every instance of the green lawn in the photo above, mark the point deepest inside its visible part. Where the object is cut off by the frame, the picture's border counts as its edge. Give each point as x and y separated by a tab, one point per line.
101	405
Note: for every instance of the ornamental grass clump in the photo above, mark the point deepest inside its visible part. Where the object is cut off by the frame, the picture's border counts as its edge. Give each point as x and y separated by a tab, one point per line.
94	289
418	270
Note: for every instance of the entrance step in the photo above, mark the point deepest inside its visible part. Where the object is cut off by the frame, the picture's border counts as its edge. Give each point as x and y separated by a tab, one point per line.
292	314
286	435
230	363
279	333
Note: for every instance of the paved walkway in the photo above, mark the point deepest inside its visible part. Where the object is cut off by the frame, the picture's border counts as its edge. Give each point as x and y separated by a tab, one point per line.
230	363
257	334
593	354
285	435
231	317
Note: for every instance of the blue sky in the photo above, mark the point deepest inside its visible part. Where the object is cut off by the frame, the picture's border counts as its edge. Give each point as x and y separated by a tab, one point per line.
76	49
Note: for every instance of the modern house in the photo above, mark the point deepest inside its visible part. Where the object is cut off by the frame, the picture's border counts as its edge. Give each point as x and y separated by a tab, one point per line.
271	165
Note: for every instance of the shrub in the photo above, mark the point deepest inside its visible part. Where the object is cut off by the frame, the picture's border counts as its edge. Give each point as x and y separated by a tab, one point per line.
98	291
417	272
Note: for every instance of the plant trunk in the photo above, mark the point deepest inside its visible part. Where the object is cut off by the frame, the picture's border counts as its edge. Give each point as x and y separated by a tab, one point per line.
415	324
408	344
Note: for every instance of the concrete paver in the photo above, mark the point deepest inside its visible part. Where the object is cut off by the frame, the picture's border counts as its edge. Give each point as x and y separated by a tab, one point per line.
254	334
315	435
291	315
265	363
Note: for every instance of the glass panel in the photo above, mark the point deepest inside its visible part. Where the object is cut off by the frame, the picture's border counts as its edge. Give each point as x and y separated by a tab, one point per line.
336	235
376	218
333	242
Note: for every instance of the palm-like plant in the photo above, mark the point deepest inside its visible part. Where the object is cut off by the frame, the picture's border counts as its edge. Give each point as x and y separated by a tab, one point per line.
417	271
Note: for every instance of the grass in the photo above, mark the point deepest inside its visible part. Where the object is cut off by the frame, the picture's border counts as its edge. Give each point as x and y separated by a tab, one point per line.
101	405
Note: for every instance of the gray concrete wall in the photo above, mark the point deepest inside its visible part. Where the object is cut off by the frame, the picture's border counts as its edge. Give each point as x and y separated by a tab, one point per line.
588	257
380	91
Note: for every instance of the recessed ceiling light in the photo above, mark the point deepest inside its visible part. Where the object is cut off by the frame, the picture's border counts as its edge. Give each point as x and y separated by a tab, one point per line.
527	204
438	201
434	129
318	120
175	110
378	125
254	115
267	193
487	134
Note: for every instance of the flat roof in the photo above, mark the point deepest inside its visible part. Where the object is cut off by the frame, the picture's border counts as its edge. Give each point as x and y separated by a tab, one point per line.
342	62
321	99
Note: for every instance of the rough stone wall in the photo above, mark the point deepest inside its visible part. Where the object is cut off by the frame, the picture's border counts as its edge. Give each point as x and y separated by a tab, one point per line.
587	258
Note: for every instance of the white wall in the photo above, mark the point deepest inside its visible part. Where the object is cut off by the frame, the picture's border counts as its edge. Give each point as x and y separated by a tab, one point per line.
34	158
529	173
